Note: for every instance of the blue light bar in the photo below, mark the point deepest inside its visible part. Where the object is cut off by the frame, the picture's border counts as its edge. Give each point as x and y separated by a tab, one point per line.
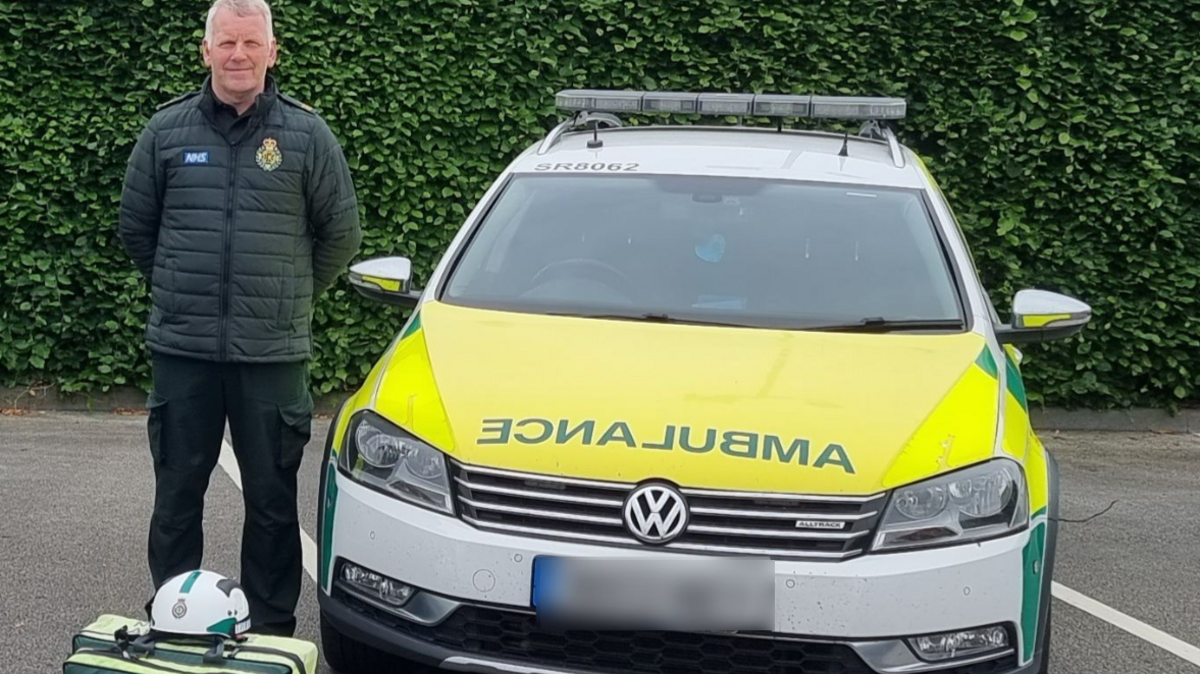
669	101
740	105
858	107
767	105
726	104
599	100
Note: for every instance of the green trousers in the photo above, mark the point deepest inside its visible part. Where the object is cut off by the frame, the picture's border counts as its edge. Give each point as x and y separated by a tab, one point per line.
269	411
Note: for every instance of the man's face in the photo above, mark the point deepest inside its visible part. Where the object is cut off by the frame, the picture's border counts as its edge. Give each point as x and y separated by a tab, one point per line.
239	52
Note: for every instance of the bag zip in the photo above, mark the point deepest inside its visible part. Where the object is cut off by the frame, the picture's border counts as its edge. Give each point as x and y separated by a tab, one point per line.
140	663
115	654
300	667
292	657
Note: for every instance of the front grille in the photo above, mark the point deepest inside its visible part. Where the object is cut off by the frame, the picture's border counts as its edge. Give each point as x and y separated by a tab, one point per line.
516	636
721	521
510	635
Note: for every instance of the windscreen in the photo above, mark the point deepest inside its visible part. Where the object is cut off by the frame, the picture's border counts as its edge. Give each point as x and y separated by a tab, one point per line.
741	251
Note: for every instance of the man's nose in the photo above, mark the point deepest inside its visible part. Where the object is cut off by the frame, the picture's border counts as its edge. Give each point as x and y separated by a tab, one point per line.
239	52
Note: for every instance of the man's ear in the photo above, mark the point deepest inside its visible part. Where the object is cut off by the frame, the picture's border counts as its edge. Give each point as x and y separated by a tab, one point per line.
274	53
204	53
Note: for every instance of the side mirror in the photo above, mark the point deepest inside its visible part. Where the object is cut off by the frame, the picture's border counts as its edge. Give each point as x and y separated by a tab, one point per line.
1042	316
386	280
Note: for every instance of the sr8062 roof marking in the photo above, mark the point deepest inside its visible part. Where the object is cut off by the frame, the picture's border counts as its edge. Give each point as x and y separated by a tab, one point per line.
588	166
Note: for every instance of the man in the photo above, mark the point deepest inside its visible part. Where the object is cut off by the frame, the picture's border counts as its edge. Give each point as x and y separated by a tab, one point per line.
239	209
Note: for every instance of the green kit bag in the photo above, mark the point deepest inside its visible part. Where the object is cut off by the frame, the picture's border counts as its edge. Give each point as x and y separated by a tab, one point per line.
113	644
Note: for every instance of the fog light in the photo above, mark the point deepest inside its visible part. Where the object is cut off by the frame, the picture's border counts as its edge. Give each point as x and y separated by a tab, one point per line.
390	590
395	593
960	644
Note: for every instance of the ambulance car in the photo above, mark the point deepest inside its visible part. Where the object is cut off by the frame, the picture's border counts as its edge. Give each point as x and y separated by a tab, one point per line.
696	398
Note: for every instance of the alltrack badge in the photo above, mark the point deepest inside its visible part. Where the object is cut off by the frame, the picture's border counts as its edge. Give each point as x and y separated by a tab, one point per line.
820	524
268	156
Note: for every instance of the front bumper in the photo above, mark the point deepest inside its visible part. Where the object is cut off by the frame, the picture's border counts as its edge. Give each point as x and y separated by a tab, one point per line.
486	639
852	613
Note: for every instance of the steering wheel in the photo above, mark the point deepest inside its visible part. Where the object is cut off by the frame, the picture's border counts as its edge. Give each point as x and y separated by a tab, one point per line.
586	268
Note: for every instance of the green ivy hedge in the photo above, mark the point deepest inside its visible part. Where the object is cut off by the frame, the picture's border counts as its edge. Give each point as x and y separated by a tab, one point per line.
1065	132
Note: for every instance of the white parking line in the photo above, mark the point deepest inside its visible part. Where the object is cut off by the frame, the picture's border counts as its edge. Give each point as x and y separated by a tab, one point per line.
1082	602
1132	625
308	546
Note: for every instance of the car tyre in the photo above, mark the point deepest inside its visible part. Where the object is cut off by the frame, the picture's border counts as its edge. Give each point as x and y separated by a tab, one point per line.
348	656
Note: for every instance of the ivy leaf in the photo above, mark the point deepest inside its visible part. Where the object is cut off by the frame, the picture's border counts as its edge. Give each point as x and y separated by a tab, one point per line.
1066	181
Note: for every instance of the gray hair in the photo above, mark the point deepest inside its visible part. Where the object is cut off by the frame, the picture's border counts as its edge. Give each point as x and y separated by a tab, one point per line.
241	8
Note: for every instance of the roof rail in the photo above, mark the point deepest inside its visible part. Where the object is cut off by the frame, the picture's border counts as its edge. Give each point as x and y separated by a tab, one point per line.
555	133
874	128
894	147
580	120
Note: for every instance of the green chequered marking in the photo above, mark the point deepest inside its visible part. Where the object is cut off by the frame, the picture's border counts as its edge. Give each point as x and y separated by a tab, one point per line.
224	627
1032	558
413	326
988	362
1016	385
327	522
187	584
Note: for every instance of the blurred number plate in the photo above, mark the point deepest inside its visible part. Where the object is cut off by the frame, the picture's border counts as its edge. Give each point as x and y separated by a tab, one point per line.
694	594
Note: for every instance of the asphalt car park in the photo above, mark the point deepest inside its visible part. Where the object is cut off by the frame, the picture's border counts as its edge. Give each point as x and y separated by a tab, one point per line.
76	493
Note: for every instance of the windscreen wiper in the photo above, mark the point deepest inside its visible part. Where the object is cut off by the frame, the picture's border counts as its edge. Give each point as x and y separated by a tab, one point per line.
880	324
871	324
649	317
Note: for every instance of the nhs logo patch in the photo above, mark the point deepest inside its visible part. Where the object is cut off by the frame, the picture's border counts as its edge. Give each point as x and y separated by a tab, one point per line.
195	158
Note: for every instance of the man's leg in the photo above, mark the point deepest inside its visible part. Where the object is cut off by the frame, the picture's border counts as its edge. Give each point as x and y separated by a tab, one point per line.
270	418
187	419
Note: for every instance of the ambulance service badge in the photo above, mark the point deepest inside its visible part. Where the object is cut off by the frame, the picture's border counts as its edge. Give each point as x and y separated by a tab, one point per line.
268	156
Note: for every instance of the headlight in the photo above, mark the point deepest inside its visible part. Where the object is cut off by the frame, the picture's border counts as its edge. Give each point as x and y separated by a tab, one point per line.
382	455
975	503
